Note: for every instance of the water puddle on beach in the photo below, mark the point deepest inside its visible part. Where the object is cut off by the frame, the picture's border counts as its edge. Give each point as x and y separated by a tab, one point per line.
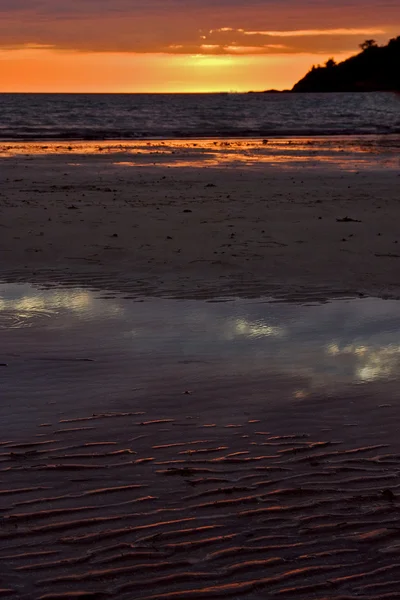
67	347
182	449
348	153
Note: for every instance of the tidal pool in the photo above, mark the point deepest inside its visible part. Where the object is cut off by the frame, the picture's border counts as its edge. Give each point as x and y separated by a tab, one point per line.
68	348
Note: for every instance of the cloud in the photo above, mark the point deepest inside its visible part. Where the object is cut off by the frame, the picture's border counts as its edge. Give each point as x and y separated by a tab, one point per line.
313	32
81	7
195	26
263	41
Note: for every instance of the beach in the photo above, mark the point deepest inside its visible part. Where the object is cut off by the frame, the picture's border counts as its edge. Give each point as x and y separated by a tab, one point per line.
171	221
162	441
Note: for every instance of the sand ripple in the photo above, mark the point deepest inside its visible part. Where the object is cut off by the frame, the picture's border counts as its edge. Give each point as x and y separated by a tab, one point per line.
176	515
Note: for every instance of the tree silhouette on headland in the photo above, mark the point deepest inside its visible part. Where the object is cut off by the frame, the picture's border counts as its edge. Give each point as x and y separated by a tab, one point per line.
375	68
368	44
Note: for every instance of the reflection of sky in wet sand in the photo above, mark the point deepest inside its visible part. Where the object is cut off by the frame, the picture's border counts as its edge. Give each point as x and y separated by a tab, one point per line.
26	309
347	153
330	345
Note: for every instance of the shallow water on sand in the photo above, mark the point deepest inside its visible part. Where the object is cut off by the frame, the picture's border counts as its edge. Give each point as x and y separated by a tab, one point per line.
173	449
67	347
347	153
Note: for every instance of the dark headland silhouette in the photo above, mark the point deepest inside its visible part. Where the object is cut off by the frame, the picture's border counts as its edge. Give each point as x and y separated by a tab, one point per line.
374	69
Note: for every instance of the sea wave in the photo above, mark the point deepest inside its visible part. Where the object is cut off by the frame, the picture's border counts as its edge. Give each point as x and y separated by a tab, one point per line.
190	116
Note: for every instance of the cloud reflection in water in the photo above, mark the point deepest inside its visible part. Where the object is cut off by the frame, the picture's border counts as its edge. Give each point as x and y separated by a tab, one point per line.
336	344
371	363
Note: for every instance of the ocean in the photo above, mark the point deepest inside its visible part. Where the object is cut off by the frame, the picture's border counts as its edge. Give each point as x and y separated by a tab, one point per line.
188	116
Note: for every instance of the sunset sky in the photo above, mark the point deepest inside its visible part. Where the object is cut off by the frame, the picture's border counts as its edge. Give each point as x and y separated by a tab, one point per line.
179	45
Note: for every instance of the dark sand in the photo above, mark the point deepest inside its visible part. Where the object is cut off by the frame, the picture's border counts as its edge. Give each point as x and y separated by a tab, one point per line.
200	231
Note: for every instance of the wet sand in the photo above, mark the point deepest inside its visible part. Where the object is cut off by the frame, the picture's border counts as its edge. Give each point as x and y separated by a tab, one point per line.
125	505
295	226
212	492
133	473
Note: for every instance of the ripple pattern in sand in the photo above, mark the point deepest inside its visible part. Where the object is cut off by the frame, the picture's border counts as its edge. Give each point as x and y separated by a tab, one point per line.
164	510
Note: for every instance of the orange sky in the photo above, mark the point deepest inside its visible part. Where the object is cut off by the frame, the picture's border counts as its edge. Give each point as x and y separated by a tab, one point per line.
179	45
49	71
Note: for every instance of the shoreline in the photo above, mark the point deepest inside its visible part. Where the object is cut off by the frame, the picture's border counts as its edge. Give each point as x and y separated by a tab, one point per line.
345	136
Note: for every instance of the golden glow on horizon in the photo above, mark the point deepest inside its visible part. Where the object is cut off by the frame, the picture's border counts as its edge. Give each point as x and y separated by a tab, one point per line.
213	62
47	70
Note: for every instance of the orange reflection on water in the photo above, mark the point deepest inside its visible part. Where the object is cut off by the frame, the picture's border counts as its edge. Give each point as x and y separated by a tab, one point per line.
349	153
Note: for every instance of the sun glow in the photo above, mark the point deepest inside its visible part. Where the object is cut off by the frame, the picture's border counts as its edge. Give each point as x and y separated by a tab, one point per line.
48	70
202	60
